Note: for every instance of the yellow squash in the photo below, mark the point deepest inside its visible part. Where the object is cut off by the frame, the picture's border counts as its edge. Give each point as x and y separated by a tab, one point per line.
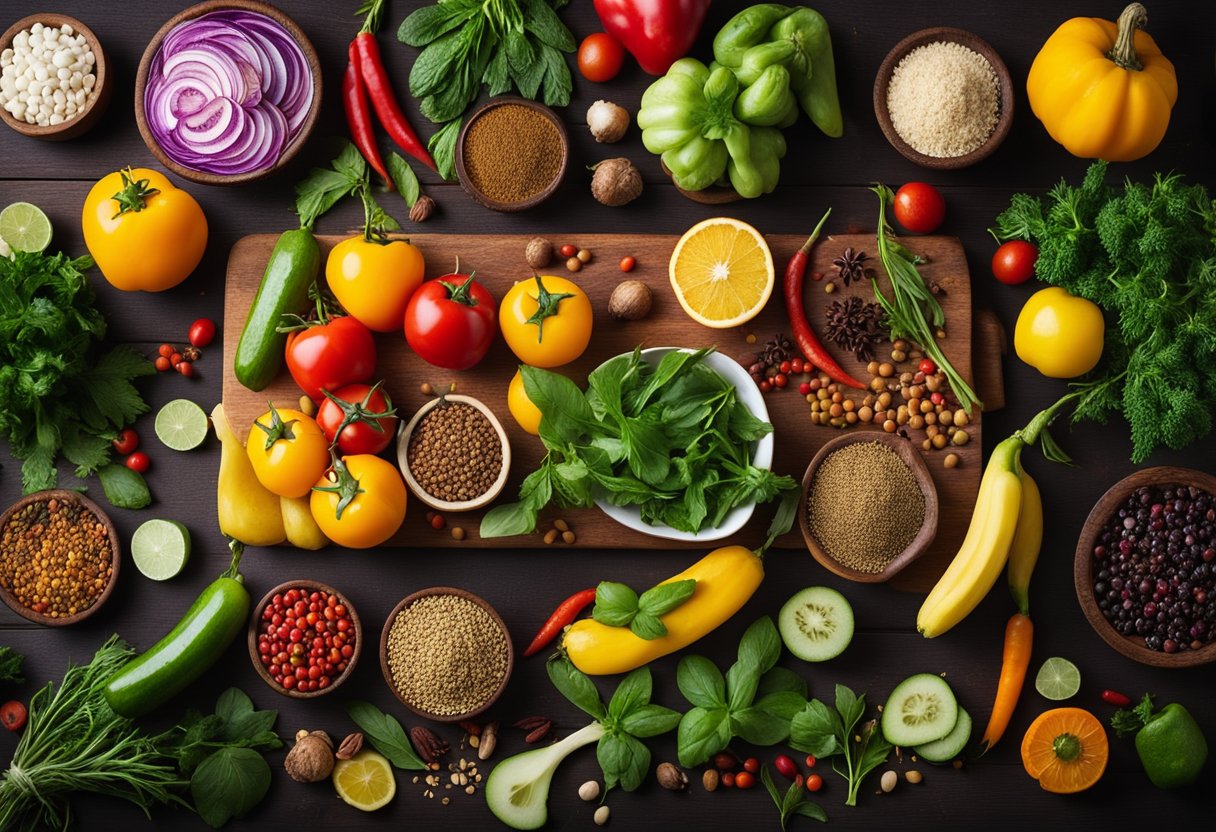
247	511
299	524
726	578
1103	89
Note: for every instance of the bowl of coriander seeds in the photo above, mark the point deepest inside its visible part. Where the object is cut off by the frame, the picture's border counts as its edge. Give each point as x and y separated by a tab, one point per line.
454	453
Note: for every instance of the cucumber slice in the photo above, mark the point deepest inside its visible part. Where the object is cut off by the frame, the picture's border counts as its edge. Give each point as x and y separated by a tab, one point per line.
816	624
921	709
949	746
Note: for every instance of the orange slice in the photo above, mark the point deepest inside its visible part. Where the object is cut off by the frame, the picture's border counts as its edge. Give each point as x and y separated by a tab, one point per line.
1065	749
722	272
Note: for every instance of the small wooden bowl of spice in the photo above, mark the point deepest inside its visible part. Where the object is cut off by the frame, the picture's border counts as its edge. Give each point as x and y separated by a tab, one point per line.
454	454
446	654
869	506
944	98
512	154
327	649
59	557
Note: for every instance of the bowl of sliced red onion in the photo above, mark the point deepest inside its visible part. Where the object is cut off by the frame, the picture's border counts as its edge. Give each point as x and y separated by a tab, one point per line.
227	92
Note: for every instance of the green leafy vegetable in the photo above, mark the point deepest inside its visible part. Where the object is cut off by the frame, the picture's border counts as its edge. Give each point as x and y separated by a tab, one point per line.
404	179
793	802
442	146
616	605
1127	721
10	665
833	732
228	784
124	488
386	735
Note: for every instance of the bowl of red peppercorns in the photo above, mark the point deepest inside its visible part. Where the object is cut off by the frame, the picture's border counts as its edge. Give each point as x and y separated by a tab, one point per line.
304	638
1145	567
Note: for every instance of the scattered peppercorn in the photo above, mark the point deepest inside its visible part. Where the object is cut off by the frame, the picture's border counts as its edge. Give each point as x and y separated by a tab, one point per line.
573	264
584	255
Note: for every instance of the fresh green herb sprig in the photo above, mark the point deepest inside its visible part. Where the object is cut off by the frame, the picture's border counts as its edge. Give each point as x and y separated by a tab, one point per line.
616	605
349	175
386	735
834	732
10	665
793	802
754	701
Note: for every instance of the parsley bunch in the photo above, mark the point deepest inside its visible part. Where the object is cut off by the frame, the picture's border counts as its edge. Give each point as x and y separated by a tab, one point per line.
1146	254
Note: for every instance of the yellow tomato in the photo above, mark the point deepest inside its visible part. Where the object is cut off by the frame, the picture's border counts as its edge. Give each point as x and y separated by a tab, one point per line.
360	501
546	321
288	452
373	281
521	407
144	233
1058	334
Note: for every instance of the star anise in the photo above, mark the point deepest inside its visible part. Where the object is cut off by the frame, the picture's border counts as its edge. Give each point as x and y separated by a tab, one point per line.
855	325
851	265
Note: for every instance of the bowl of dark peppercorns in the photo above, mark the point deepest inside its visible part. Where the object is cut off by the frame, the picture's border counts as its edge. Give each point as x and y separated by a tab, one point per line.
1145	567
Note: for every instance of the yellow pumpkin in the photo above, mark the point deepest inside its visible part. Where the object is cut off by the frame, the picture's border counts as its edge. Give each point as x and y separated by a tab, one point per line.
1103	89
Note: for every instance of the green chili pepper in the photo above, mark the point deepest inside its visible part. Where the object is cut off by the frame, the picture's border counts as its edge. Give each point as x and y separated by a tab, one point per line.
745	30
769	101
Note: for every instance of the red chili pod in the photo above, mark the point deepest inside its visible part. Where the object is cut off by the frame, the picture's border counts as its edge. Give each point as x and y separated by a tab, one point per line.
1113	697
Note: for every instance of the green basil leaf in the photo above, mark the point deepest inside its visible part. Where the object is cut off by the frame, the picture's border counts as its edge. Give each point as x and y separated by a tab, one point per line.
228	784
575	686
604	387
742	679
783	517
701	682
759	728
850	707
779	679
767	780
242	723
385	734
664	598
442	146
507	520
123	487
784	705
650	720
404	178
816	729
744	426
811	810
633	692
624	761
647	447
671	366
647	627
615	604
874	750
562	405
760	646
700	735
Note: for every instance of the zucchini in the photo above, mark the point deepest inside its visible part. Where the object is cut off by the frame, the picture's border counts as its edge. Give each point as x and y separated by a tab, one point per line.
194	645
292	268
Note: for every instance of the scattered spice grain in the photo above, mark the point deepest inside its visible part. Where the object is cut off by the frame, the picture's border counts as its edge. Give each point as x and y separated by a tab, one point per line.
455	454
512	153
943	99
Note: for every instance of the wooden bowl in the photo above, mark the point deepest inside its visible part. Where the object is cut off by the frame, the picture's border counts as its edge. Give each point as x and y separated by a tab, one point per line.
928	529
462	172
1132	646
289	152
403	445
1004	110
95	103
713	195
255	621
461	593
115	557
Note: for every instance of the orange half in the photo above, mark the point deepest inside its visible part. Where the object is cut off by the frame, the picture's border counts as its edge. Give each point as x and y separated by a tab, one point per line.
722	272
1065	749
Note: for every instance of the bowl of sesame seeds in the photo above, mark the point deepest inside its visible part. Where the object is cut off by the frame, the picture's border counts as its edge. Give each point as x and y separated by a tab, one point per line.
454	453
446	654
59	557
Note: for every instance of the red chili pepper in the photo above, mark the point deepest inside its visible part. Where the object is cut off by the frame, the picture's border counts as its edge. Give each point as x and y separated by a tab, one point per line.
564	614
375	79
1113	697
359	117
804	336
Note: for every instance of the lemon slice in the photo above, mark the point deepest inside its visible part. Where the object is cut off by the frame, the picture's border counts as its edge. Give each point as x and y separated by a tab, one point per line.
365	781
25	227
1058	679
181	425
722	272
160	548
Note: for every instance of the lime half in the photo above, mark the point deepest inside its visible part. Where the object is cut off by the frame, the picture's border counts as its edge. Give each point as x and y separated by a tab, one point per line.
24	227
160	549
1058	679
181	425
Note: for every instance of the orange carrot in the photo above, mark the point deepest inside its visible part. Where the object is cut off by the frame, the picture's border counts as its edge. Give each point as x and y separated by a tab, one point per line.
1019	636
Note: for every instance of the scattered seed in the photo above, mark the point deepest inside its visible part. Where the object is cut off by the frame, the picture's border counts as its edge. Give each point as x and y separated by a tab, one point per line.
574	264
426	388
601	815
888	781
561	525
914	776
584	255
550	535
589	791
457	533
568	536
951	461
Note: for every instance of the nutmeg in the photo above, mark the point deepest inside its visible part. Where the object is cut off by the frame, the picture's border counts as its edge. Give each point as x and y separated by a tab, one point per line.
671	777
616	182
630	301
539	253
311	759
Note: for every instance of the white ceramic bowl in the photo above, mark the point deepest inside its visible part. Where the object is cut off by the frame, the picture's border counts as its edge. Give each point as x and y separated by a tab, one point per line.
762	453
403	446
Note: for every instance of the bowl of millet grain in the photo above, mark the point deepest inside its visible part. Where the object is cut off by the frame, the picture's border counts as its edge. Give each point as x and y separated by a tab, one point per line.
454	453
944	98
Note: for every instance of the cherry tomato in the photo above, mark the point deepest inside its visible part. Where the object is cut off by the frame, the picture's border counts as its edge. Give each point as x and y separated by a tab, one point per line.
814	783
13	715
450	322
185	368
919	208
126	442
546	320
745	780
525	412
202	332
331	356
288	451
751	764
600	57
138	462
1014	261
367	430
359	502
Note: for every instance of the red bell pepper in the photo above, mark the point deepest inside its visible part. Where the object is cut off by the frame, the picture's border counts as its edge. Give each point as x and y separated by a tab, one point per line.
656	32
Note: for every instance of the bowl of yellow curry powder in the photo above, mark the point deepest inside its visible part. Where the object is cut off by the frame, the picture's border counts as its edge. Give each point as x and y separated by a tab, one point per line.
512	154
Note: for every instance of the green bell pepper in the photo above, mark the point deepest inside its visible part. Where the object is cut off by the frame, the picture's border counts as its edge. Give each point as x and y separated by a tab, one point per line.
746	29
755	161
1170	743
769	101
819	98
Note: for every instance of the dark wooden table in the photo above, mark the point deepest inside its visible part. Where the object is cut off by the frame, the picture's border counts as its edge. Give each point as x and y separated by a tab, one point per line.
525	585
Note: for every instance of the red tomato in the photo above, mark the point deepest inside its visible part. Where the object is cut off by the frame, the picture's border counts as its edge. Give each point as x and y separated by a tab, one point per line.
138	462
12	715
126	442
331	356
600	57
1014	261
919	208
364	416
201	332
450	322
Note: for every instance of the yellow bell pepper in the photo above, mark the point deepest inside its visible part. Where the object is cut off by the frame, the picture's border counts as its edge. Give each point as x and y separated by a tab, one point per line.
1058	334
726	578
1103	89
299	524
247	511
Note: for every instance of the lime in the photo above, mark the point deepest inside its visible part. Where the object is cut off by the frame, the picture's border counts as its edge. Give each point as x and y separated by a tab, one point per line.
24	227
181	425
1058	679
160	548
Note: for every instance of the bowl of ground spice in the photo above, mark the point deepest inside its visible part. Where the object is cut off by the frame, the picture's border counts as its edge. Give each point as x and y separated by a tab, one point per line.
454	454
446	654
59	556
512	154
869	506
944	98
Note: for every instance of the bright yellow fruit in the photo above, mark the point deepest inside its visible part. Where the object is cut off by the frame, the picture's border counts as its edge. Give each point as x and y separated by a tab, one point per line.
1058	334
722	272
365	781
521	407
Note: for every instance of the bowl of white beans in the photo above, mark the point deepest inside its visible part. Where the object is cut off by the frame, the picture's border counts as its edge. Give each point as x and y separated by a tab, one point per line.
53	82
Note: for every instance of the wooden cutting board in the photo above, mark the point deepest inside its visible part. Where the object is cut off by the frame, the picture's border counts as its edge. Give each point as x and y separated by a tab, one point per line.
498	261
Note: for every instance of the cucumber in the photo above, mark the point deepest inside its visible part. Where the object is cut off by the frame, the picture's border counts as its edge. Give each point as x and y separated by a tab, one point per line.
816	624
949	746
292	268
921	709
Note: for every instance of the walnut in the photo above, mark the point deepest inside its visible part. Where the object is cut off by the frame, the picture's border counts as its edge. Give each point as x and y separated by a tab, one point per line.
616	182
311	759
671	777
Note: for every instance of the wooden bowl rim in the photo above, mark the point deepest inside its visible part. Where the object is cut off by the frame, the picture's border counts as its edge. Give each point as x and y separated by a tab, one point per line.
1005	97
94	104
252	633
531	202
115	556
713	195
468	596
290	151
924	536
1133	646
403	443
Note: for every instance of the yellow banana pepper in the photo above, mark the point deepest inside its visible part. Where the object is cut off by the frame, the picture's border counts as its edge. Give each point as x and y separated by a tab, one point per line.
1027	540
299	524
247	511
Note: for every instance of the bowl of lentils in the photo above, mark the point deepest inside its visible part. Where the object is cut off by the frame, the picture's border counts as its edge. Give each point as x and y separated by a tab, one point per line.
59	557
1145	568
454	453
446	654
304	638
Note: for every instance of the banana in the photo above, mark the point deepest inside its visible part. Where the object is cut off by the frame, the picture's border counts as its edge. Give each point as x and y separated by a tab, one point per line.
1027	539
985	548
